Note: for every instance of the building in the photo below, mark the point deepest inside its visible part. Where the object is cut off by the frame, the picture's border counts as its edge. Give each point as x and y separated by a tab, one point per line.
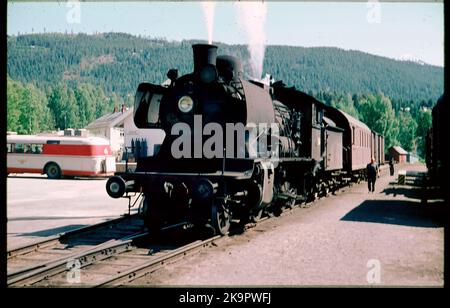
412	158
118	127
398	153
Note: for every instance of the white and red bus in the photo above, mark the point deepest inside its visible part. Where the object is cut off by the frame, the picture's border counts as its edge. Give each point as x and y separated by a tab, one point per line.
59	156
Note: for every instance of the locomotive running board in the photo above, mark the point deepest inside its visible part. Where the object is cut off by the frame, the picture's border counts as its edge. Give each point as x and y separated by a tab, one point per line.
229	174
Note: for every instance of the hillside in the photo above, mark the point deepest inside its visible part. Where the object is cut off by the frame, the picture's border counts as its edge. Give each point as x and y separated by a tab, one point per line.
118	62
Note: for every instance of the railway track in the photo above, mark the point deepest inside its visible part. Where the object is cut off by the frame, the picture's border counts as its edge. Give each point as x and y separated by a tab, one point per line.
114	228
26	262
85	258
108	254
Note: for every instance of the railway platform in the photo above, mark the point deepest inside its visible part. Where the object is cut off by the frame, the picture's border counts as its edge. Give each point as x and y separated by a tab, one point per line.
354	238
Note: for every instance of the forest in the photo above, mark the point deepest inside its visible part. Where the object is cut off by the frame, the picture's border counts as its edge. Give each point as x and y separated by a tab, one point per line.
56	81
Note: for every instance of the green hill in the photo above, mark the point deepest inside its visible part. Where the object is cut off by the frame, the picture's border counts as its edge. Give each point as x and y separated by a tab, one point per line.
118	62
60	80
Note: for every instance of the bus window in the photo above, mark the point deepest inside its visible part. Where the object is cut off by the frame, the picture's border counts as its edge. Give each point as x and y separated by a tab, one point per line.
19	148
37	148
27	148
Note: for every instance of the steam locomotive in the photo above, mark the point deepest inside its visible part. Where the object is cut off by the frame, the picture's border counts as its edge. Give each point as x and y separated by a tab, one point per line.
235	148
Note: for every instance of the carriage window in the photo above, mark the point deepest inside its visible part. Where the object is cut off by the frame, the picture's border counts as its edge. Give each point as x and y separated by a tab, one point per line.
10	148
313	113
353	135
319	116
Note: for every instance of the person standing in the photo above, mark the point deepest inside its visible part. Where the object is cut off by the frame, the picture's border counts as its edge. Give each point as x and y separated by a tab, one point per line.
372	172
391	166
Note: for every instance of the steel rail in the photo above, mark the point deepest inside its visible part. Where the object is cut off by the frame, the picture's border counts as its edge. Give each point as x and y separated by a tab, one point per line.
55	239
97	253
154	264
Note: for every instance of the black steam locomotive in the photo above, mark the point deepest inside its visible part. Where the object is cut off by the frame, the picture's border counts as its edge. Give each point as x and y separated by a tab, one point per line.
235	148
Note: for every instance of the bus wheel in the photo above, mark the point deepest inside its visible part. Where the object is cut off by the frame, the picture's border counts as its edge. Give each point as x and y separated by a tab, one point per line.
53	171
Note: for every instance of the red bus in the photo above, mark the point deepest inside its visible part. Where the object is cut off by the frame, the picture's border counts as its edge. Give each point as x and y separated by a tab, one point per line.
59	156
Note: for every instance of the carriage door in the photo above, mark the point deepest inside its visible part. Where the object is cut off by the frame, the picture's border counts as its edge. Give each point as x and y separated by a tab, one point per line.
334	147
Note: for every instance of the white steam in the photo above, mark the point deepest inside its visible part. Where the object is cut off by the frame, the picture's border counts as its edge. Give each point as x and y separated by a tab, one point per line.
252	17
208	11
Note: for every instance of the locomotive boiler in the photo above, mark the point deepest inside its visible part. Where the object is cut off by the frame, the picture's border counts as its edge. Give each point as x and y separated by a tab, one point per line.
236	148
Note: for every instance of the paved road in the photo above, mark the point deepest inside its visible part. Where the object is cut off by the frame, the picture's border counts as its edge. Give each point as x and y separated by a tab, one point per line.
38	207
353	238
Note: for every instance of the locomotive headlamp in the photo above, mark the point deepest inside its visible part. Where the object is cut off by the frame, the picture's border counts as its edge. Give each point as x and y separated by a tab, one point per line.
185	104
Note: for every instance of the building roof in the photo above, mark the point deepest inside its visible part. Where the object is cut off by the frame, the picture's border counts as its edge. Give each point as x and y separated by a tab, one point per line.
399	150
110	119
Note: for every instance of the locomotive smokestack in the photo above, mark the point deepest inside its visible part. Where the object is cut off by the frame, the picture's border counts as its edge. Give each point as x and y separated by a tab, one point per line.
229	67
204	54
205	62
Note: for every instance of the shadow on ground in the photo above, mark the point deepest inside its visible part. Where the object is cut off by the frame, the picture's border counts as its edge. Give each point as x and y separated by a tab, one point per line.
399	212
407	191
53	231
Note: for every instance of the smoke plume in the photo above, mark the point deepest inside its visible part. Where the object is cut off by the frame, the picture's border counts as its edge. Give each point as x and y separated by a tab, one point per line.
252	17
208	11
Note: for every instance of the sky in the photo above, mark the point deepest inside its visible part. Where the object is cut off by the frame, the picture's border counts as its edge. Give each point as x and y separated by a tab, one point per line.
394	30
